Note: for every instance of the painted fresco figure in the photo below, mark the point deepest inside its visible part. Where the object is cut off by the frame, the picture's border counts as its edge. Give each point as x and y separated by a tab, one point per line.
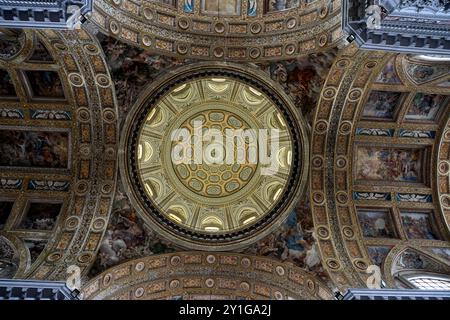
188	6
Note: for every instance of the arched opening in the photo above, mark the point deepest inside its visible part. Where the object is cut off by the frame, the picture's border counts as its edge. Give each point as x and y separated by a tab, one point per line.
424	280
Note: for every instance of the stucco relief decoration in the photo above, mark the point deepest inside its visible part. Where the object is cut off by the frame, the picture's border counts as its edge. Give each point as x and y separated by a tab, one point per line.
58	151
222	30
236	149
383	197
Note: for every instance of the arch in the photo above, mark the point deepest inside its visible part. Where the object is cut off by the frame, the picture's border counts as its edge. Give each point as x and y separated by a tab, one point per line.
313	26
246	215
191	275
212	223
409	260
75	182
354	199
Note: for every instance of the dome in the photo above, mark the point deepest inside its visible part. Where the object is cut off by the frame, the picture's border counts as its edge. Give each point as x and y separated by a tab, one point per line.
211	158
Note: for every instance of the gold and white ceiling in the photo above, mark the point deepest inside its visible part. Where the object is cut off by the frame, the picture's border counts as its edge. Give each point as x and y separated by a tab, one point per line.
87	178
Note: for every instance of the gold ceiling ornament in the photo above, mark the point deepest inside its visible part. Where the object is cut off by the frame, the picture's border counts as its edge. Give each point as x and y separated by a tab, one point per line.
72	167
200	275
219	195
214	156
378	131
233	30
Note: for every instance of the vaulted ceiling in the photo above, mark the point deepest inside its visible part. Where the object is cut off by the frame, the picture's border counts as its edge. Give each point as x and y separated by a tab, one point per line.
367	131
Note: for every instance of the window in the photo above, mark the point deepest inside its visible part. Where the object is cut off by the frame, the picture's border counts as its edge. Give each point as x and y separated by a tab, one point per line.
426	281
430	283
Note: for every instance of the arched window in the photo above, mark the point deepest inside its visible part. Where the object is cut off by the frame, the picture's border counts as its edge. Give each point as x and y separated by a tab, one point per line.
425	280
431	57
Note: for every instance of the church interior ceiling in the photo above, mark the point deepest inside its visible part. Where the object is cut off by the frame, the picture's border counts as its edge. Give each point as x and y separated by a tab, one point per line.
373	190
86	118
237	30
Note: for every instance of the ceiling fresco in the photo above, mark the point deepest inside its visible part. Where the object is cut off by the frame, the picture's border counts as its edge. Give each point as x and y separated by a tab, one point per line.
127	236
56	183
87	119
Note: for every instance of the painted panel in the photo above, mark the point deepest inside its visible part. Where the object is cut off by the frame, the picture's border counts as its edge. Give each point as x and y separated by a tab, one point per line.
418	225
40	53
41	216
421	73
411	259
278	5
222	7
45	84
389	164
425	106
35	247
388	74
6	86
252	8
378	254
40	149
188	6
5	210
376	223
375	132
382	105
367	195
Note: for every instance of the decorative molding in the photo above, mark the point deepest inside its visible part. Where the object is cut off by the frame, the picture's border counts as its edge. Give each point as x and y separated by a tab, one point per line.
86	188
195	239
335	189
171	31
191	275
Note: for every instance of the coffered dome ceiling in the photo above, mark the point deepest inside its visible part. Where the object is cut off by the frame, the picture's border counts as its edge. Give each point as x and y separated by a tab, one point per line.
379	166
228	190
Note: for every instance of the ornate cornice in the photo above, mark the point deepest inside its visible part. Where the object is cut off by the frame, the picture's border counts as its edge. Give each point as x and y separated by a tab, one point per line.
171	31
400	26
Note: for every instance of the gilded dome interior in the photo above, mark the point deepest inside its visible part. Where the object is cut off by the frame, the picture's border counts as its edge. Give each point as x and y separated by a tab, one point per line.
214	185
238	149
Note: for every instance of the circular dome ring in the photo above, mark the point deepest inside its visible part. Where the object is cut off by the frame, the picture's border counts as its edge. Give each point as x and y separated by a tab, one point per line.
156	216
